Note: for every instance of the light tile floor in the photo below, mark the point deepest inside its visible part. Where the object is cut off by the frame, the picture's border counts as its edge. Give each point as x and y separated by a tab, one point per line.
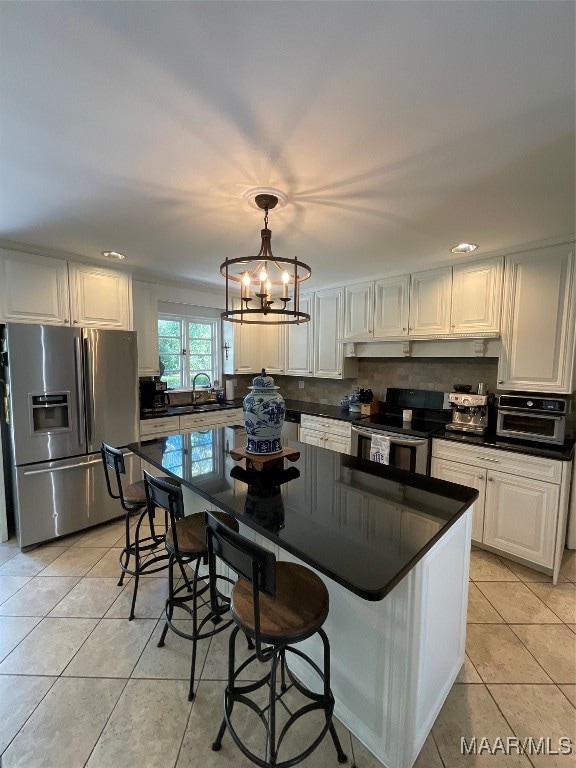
82	686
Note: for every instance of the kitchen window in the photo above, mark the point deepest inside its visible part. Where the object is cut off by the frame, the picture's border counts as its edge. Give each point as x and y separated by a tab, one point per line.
188	344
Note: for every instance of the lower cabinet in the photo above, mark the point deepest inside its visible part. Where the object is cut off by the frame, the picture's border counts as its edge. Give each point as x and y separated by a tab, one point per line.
326	433
189	422
522	507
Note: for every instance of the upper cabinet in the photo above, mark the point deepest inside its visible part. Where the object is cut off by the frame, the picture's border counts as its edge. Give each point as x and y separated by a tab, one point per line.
328	353
99	298
41	289
538	321
392	303
145	302
298	344
430	301
33	289
463	300
477	297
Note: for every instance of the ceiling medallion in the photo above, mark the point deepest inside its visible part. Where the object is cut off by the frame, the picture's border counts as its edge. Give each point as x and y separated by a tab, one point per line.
269	286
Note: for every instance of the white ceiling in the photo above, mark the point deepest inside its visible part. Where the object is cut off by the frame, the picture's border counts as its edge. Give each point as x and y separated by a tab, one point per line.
397	129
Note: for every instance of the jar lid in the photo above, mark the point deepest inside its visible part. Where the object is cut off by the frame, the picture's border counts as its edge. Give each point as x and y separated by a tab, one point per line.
262	381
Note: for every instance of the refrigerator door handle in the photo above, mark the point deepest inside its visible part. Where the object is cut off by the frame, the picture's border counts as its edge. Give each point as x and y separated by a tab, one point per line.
79	391
61	469
89	388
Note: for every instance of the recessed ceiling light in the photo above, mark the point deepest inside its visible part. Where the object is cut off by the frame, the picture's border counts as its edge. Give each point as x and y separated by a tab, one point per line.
464	248
113	255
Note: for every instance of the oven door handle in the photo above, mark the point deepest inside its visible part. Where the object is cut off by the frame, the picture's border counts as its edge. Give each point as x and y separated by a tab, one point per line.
395	439
508	409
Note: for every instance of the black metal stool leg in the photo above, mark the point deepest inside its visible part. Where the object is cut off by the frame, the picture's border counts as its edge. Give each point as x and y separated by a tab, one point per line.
342	757
127	551
283	685
271	749
229	694
194	628
169	608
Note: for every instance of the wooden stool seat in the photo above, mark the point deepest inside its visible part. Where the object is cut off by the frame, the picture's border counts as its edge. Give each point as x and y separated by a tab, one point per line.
298	610
191	533
135	494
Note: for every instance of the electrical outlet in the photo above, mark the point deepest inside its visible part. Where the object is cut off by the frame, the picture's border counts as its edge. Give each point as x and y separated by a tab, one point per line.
300	385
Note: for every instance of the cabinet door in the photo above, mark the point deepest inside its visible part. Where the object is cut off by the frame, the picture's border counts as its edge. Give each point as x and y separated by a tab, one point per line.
430	294
100	298
145	300
520	517
328	353
462	474
246	348
33	289
338	444
359	311
272	347
298	350
538	321
391	307
477	297
312	437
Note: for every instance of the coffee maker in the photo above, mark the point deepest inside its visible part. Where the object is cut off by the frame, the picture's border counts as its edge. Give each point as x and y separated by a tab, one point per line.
153	398
469	412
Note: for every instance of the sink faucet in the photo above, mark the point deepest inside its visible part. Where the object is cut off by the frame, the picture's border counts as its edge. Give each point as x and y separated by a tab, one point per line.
194	384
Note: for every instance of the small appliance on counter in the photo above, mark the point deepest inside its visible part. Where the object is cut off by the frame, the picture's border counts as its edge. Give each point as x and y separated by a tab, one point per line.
153	397
469	412
532	417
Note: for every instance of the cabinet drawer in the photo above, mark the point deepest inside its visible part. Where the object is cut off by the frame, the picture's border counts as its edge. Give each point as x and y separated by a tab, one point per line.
154	427
330	426
521	464
193	421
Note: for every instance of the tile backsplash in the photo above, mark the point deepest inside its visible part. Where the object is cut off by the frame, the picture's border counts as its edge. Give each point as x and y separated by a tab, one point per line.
377	374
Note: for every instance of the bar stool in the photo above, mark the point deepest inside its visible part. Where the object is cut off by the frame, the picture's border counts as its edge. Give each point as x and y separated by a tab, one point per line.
278	604
186	545
144	549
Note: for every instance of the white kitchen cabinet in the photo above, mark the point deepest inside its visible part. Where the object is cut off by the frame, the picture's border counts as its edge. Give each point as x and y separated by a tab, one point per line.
272	338
328	319
145	304
228	417
298	344
455	472
247	347
100	298
190	422
430	299
538	322
33	289
520	517
162	427
523	503
391	306
41	289
477	297
332	434
359	311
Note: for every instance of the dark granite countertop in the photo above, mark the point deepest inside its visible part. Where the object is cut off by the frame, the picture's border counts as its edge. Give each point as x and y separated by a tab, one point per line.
362	524
183	410
313	409
545	450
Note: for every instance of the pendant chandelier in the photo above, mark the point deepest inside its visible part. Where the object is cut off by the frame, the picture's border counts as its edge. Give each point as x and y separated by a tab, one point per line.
269	286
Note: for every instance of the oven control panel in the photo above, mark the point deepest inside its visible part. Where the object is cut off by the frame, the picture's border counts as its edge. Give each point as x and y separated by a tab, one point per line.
525	402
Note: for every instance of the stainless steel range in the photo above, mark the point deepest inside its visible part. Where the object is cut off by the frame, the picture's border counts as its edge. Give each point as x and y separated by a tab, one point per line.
407	419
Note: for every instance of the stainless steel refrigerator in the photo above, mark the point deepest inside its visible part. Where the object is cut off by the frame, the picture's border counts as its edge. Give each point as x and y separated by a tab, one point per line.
68	390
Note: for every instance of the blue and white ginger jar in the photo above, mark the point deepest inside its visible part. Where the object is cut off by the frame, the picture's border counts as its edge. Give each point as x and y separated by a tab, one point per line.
264	411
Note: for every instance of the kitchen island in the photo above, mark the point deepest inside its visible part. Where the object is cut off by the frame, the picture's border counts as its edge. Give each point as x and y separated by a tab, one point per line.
393	550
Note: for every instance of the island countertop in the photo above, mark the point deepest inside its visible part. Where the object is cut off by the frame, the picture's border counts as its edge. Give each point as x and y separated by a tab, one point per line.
362	524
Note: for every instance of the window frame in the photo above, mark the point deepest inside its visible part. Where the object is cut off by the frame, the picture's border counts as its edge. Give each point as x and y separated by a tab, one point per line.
184	319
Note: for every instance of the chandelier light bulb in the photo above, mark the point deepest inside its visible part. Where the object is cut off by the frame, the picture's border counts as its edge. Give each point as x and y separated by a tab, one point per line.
263	276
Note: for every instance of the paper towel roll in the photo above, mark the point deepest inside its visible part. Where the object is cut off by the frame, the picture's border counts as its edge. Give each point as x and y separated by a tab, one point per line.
229	390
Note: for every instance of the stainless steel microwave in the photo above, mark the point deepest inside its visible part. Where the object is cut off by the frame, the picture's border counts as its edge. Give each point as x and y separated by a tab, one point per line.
540	419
